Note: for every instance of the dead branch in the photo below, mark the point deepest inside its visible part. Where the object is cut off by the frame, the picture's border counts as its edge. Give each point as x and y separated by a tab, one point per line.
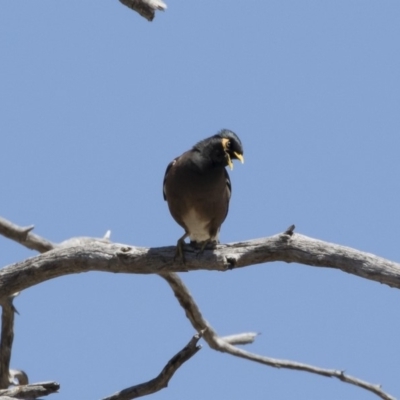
32	391
24	236
118	258
241	338
146	8
161	381
216	342
7	337
91	254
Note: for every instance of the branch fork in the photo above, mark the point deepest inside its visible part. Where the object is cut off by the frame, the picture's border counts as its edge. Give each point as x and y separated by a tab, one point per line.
99	254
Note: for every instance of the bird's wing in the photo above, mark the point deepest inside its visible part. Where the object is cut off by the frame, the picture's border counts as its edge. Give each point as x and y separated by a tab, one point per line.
165	176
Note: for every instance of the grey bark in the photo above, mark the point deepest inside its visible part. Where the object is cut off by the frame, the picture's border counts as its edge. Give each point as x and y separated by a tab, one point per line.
6	341
31	391
90	254
118	258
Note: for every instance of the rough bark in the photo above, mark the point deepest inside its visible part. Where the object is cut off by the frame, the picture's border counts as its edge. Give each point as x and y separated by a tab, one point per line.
31	391
24	236
118	258
7	337
84	254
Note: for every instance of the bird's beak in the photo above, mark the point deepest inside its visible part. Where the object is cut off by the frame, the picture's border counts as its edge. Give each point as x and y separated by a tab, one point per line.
239	157
230	163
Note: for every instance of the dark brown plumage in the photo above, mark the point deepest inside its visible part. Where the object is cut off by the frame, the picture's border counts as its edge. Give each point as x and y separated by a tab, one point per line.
198	189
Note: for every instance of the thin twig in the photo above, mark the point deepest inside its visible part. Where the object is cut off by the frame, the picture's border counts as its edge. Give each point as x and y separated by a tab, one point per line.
161	381
241	338
24	236
194	315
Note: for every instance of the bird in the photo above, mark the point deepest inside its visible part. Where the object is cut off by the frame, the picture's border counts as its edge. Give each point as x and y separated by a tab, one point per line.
197	189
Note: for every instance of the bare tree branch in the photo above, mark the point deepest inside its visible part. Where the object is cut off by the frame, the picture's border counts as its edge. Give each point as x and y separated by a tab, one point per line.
91	254
146	8
161	381
118	258
241	338
32	391
7	337
22	235
195	317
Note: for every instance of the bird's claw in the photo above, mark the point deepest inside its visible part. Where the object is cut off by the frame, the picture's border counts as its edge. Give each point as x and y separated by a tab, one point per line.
179	253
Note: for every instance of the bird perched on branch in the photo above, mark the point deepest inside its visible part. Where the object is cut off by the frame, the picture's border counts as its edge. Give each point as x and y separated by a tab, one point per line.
197	188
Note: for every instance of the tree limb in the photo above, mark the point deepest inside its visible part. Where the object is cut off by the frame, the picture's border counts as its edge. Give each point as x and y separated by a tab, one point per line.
89	254
146	8
161	381
31	391
118	258
24	236
195	317
7	337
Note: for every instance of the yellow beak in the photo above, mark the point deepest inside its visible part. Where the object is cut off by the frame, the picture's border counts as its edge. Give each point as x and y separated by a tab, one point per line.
239	156
230	163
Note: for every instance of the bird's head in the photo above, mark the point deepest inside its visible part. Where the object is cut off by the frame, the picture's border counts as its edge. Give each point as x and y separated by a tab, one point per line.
231	145
221	148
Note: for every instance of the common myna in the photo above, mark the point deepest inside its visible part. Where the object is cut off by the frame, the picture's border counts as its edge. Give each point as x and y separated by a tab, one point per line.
197	188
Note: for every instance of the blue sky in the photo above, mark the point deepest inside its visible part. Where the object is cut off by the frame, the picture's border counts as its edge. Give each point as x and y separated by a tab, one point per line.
95	102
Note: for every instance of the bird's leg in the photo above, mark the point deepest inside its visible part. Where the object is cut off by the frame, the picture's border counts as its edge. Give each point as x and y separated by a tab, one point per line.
179	248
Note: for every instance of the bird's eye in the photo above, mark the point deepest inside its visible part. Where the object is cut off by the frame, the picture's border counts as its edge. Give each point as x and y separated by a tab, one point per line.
228	144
